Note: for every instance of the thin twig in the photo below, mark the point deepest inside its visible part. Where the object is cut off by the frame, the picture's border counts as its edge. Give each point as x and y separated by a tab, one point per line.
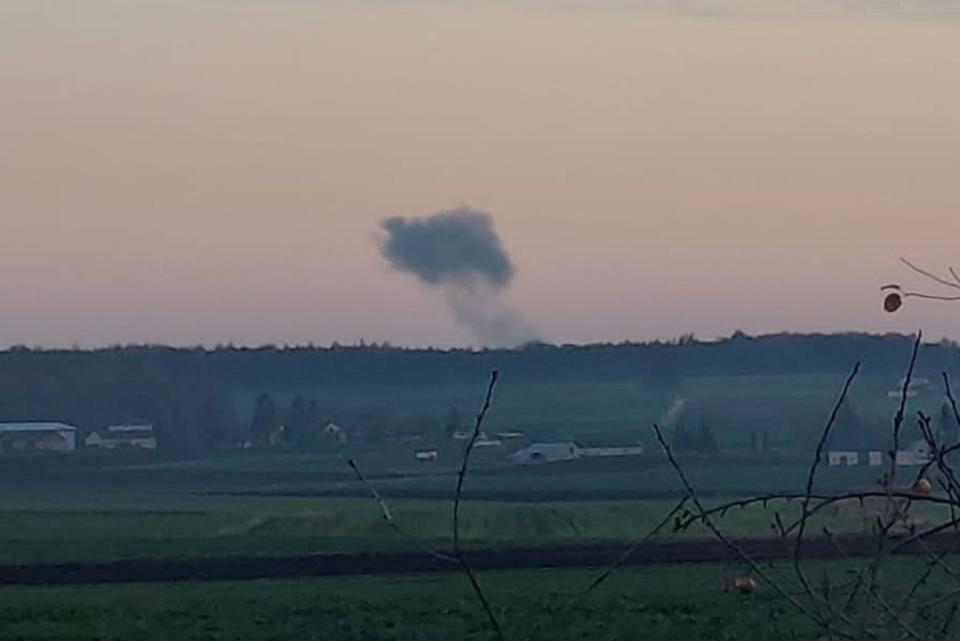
901	410
461	475
635	545
737	549
388	517
808	490
823	501
907	294
931	275
953	406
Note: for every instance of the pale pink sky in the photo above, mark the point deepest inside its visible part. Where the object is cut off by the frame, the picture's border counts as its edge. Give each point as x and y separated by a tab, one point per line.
209	170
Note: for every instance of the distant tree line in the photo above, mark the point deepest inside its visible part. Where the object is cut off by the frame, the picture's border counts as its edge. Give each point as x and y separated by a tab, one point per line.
201	398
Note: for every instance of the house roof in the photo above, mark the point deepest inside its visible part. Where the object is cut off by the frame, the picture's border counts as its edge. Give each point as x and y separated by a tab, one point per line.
36	426
563	446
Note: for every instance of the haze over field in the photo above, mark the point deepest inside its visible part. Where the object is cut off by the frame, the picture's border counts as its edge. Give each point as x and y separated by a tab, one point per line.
212	171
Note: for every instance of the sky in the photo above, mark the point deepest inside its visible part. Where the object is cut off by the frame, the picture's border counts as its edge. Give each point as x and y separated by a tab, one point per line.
214	171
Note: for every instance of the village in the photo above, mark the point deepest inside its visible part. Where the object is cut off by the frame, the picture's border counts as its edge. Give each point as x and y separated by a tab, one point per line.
511	447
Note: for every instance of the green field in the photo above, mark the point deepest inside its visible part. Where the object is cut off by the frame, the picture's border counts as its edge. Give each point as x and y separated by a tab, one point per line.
665	602
95	507
83	508
655	603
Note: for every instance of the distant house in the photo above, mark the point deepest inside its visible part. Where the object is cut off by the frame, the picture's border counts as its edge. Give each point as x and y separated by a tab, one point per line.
916	454
117	437
336	432
918	384
426	455
844	458
546	453
50	436
607	451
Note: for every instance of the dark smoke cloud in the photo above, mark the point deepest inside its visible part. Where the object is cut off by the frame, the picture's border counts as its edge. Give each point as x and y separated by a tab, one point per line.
460	252
454	245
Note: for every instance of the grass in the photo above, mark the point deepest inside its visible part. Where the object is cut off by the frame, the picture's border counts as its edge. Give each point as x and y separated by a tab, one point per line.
104	508
654	603
664	602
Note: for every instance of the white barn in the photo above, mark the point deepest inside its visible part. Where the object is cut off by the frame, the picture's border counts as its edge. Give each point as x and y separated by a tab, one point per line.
846	458
605	451
917	454
123	437
546	453
49	436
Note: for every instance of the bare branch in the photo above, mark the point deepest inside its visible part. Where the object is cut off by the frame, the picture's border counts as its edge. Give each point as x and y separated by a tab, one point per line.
465	461
931	275
633	547
458	556
823	501
388	517
461	476
818	455
899	416
909	294
737	549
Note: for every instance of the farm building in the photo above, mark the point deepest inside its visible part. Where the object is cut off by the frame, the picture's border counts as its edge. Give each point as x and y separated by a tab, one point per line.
846	458
546	453
334	431
56	437
426	455
117	437
916	454
606	451
918	385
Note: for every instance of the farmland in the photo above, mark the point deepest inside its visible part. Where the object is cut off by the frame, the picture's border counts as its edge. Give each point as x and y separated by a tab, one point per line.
657	602
665	602
239	543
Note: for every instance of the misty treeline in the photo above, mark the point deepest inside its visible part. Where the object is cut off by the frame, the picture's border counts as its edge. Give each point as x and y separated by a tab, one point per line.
202	398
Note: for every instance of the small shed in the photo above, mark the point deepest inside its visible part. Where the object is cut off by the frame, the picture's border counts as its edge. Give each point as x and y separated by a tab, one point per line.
546	453
916	454
611	450
134	436
843	458
52	436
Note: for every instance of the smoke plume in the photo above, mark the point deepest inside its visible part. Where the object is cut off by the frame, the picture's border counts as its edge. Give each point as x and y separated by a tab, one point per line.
459	252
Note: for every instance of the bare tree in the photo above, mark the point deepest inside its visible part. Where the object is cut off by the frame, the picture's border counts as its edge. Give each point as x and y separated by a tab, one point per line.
910	601
458	556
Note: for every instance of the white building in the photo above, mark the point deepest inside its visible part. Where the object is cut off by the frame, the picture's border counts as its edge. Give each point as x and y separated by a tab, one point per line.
847	458
116	437
334	431
916	454
426	455
874	458
612	451
546	453
51	436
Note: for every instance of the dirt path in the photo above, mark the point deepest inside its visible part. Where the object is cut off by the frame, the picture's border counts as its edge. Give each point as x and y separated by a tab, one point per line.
249	568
